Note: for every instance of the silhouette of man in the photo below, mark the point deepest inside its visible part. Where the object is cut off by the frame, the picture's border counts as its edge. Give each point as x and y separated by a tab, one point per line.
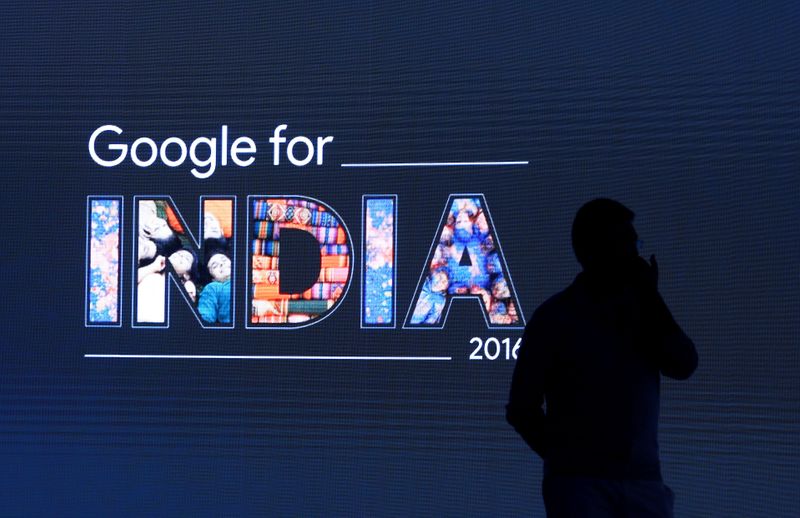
593	355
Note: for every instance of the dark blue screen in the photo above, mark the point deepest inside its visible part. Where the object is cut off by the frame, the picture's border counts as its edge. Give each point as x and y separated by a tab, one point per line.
686	113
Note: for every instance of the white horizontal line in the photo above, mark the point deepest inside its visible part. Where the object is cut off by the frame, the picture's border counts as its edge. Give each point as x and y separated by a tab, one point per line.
435	164
242	357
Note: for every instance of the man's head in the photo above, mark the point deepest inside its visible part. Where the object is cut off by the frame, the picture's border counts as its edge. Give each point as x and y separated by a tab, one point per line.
603	237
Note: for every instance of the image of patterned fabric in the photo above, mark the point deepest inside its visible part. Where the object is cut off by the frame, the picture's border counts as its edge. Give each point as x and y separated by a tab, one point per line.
104	261
269	305
335	250
261	262
265	247
378	286
465	262
271	230
299	211
324	290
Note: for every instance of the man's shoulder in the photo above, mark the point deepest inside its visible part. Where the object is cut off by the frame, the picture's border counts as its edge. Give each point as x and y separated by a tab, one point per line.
556	307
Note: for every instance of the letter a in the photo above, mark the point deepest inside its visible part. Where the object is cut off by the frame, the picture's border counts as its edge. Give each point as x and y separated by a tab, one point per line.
465	261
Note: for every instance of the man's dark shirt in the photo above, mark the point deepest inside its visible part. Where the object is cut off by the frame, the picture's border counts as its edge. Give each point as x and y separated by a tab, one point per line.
596	360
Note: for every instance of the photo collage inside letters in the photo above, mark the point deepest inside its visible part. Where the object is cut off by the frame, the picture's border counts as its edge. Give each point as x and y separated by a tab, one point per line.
270	306
204	274
466	262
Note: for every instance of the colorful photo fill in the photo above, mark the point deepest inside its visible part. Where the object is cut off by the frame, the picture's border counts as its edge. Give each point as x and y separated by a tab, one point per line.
165	248
378	282
104	253
214	299
269	304
466	262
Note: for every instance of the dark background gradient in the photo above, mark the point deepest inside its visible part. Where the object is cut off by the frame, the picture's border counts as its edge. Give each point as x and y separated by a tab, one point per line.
686	112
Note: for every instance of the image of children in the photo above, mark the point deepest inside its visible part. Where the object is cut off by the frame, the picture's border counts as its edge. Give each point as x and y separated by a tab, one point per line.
214	304
166	249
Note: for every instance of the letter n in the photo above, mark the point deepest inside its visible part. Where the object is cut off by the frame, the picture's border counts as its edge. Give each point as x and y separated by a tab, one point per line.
164	247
